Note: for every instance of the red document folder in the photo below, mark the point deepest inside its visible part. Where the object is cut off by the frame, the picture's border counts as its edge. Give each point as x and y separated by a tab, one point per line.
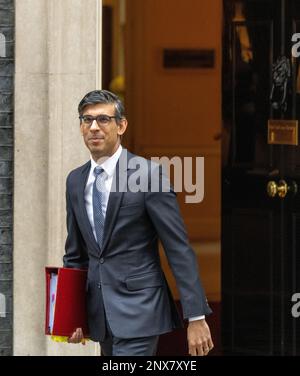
69	310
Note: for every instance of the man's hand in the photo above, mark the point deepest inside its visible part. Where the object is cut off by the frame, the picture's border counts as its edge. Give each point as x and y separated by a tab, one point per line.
77	337
199	338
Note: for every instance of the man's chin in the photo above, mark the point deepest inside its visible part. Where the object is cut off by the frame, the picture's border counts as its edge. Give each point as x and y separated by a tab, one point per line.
99	153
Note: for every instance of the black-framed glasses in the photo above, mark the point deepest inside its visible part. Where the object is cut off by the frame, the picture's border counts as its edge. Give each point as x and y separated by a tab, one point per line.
102	120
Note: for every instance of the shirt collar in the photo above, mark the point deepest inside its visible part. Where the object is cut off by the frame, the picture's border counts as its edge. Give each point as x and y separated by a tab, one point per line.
109	165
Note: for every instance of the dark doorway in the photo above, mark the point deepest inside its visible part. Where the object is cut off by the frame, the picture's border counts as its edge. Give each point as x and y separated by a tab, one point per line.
260	178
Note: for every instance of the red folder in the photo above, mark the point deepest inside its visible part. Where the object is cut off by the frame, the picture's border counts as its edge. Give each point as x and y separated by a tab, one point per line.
69	311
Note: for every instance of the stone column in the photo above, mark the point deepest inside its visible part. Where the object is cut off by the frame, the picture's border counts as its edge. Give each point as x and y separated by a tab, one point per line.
6	172
57	53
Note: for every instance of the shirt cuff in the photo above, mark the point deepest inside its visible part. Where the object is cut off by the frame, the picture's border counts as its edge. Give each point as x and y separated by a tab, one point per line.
196	318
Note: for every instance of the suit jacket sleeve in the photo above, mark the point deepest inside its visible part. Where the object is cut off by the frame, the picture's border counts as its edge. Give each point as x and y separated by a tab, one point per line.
76	255
164	212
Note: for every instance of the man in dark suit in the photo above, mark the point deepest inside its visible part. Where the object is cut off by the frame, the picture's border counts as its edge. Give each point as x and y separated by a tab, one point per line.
114	221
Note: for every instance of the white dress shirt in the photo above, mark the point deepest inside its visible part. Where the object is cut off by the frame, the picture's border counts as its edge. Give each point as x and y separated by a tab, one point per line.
109	167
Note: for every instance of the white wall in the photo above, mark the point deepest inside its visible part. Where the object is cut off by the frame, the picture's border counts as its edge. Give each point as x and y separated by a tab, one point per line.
57	62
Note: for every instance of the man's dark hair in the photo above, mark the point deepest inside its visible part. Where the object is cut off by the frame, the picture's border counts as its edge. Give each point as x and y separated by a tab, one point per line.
105	97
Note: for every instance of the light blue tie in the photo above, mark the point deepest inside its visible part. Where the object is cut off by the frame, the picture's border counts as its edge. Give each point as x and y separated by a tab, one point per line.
98	189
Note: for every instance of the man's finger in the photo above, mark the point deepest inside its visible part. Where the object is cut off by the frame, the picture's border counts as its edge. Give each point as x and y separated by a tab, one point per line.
81	338
200	351
80	332
205	350
76	337
71	339
192	351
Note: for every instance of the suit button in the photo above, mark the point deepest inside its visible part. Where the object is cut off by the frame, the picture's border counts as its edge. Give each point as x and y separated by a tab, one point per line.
101	260
99	285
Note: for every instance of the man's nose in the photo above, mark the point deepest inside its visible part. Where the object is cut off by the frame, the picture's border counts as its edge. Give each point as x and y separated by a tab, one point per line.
94	126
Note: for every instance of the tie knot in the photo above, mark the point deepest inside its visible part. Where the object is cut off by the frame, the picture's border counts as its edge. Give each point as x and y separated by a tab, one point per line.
98	170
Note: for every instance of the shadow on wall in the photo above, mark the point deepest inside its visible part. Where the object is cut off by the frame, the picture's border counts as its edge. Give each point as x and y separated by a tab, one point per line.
2	45
2	305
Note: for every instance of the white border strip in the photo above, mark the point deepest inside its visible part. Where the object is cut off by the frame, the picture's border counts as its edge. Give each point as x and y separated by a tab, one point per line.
98	44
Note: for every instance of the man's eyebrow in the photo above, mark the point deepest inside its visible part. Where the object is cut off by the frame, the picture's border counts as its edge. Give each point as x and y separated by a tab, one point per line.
96	115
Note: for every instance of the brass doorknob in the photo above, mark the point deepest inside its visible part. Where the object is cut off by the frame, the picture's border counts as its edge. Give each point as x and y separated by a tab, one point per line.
272	188
281	188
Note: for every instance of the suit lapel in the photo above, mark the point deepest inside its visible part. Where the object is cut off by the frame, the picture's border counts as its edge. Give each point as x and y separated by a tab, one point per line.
119	186
81	187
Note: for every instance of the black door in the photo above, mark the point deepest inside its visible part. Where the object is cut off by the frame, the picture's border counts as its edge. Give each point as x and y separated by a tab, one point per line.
260	178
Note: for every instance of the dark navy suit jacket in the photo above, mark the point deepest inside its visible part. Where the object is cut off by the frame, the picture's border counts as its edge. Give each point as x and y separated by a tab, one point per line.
125	280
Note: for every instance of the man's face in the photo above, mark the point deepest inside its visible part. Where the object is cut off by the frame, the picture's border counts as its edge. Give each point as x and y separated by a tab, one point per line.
102	140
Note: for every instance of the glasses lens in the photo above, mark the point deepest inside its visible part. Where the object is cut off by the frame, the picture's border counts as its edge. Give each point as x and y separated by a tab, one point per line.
87	120
103	119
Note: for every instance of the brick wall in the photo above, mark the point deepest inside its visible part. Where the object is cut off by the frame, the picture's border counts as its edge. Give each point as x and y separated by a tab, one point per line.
6	172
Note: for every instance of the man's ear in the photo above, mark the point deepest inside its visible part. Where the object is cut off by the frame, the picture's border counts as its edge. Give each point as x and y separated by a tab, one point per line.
122	125
81	129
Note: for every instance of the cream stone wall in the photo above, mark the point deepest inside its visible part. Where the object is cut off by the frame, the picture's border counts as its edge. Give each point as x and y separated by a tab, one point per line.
57	62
